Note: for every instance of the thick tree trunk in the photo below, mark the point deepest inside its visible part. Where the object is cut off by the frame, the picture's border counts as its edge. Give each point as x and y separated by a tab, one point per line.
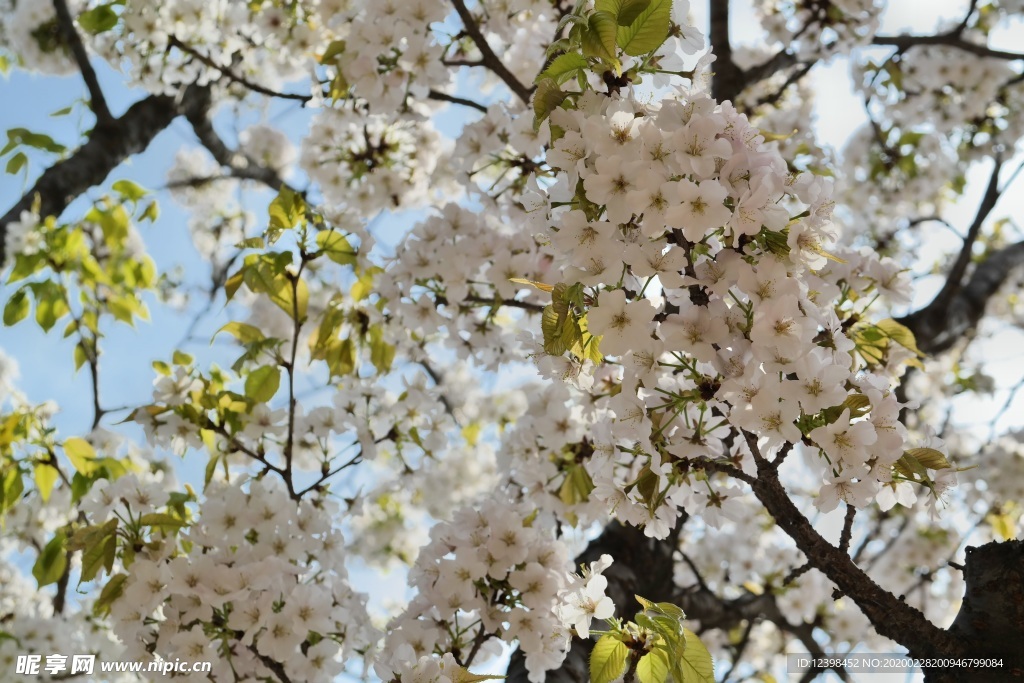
990	623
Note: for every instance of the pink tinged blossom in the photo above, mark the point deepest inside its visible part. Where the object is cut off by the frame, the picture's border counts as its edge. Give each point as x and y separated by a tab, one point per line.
694	330
696	209
820	383
622	326
699	145
846	442
893	493
851	486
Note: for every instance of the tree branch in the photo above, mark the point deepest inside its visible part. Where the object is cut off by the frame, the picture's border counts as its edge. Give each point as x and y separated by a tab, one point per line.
963	259
240	165
905	41
107	146
67	24
488	58
959	305
793	77
889	616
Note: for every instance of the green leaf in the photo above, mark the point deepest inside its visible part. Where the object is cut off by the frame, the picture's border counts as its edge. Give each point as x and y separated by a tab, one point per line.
653	667
599	37
624	11
99	554
16	163
11	487
16	308
547	96
551	329
23	136
336	247
162	520
243	332
631	10
233	282
81	454
45	476
696	665
151	213
341	358
50	304
564	68
262	383
251	243
80	355
648	31
382	354
130	190
52	561
608	659
98	19
111	592
334	50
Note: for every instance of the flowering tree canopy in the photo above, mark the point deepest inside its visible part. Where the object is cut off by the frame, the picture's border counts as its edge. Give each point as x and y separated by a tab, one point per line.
563	307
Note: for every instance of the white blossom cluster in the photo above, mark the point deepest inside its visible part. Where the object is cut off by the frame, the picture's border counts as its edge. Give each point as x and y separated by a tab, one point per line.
30	30
369	163
491	574
754	333
818	28
261	576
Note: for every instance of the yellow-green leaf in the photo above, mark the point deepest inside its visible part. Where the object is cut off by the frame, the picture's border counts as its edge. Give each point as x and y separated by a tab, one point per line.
1003	525
286	211
262	383
243	332
900	334
696	665
130	190
16	308
653	667
539	285
81	454
929	457
608	659
336	246
45	476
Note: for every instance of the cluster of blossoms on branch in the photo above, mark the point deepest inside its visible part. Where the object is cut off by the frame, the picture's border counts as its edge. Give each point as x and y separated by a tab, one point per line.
672	270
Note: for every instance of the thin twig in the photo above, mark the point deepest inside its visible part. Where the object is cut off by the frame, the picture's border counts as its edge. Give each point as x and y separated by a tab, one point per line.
488	58
444	97
97	100
235	78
